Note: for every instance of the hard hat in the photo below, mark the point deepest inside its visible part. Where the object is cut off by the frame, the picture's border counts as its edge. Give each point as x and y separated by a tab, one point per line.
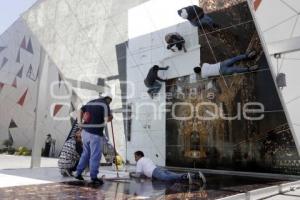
107	95
184	14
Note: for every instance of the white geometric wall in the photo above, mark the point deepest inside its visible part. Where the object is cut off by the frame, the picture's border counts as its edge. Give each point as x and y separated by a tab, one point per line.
146	47
81	38
21	57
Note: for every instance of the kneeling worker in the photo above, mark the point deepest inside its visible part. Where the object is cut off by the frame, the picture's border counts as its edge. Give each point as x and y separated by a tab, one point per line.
70	154
175	39
145	167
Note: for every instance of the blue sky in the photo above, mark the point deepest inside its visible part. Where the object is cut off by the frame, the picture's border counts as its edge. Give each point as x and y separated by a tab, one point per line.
10	11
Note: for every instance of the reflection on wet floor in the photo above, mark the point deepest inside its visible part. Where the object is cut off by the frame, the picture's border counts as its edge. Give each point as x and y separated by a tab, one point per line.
217	186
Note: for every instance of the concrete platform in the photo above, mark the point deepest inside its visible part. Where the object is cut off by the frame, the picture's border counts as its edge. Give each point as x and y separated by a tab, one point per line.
17	162
294	195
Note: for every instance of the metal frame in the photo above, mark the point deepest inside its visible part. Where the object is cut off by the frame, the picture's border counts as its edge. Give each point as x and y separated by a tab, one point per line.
237	173
284	46
41	98
85	85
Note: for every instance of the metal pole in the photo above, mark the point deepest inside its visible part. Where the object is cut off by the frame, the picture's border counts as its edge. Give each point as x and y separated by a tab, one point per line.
126	136
41	99
113	136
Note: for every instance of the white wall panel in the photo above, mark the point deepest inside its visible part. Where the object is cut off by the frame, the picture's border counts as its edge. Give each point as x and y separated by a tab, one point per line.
23	112
155	19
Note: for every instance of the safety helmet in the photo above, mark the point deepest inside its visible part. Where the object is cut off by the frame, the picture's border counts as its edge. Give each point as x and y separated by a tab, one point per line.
107	95
184	14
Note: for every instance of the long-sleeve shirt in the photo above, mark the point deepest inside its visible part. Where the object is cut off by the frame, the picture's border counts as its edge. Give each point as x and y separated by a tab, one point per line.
152	76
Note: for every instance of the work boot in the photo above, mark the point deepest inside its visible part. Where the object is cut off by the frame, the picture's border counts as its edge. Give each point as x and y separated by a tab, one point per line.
216	26
151	94
190	178
200	177
251	54
253	68
64	174
187	178
68	173
97	181
79	177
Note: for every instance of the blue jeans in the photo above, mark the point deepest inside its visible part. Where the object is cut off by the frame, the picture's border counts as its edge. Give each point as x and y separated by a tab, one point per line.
204	21
165	175
155	88
91	155
227	66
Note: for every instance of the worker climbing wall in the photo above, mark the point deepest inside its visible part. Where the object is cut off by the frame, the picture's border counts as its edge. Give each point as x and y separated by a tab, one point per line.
231	121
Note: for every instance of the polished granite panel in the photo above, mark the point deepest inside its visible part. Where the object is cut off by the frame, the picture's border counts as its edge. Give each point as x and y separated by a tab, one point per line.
230	141
226	15
217	186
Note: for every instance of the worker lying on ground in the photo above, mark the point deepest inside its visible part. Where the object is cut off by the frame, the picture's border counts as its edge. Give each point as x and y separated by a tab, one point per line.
145	167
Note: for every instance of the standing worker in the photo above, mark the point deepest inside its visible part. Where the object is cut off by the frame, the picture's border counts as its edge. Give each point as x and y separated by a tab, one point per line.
94	115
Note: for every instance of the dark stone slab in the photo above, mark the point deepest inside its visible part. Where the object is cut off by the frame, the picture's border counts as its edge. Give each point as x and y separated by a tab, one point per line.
217	186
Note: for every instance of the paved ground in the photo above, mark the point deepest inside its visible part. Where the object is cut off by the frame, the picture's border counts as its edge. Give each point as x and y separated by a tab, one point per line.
217	187
47	183
17	162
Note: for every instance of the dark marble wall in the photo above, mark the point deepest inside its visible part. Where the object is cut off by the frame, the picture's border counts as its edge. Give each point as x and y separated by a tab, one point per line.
264	145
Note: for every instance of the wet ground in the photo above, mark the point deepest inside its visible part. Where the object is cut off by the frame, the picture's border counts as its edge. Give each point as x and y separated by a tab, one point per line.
217	186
